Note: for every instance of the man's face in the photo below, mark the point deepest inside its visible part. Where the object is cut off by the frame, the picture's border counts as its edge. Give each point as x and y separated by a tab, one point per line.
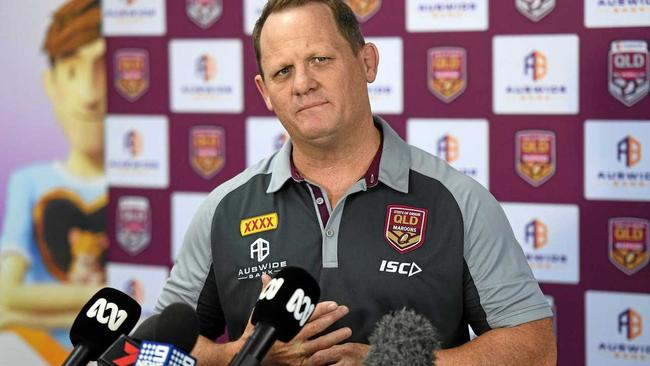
313	81
76	85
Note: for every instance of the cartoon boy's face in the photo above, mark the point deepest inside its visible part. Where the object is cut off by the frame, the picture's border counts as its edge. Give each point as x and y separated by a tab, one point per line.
76	85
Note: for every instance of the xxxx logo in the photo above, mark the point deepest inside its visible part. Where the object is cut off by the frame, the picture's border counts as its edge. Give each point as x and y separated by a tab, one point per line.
258	224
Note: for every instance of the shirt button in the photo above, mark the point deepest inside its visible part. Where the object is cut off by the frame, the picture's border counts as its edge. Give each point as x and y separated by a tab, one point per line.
329	233
320	200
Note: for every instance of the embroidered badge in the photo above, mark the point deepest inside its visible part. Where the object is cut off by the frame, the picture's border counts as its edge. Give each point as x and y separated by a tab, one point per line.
405	227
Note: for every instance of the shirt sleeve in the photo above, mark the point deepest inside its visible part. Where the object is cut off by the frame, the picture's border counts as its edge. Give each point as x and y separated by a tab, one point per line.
17	228
500	289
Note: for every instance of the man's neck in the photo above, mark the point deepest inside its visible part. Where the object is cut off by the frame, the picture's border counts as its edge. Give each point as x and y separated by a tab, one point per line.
84	165
337	166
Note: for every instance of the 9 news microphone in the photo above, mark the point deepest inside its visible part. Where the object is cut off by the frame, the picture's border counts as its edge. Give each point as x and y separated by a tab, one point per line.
174	330
107	315
402	338
282	309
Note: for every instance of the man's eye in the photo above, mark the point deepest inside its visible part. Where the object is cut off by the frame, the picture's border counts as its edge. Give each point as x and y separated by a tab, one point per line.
320	59
282	72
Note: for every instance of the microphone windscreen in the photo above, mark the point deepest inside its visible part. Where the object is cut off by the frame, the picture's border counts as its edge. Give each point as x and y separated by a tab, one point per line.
178	325
147	329
402	338
287	302
107	315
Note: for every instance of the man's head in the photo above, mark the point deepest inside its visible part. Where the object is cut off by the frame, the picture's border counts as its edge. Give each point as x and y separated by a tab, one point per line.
312	75
76	79
346	22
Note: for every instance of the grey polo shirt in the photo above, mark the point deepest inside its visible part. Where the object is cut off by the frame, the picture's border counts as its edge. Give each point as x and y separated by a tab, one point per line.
412	232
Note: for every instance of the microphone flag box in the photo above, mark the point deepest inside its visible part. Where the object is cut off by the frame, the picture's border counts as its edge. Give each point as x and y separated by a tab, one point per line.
162	354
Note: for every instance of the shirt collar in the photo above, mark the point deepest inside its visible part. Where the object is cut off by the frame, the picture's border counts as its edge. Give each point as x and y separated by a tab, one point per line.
390	165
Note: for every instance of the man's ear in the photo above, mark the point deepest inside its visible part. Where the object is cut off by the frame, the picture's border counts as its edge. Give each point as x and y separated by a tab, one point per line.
48	82
261	87
369	55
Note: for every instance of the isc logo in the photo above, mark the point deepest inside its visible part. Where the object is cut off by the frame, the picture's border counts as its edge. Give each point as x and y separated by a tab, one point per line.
299	304
408	269
115	316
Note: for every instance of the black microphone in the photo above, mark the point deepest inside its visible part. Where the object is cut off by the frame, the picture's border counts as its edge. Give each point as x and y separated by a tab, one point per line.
124	351
402	338
107	315
282	309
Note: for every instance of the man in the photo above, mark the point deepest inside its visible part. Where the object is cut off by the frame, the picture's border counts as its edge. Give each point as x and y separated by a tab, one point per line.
53	243
347	199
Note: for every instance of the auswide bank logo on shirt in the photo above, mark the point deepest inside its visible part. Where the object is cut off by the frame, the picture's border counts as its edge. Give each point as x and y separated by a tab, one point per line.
446	15
183	207
548	234
144	283
616	331
133	18
206	75
264	136
617	160
463	143
387	92
617	13
137	151
535	74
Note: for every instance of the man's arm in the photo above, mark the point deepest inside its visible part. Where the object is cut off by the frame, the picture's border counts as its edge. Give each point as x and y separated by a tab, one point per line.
530	343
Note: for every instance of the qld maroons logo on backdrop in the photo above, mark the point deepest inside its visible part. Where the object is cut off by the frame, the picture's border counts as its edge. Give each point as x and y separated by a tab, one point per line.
133	223
535	10
204	12
629	71
405	227
364	9
131	73
447	74
629	243
535	156
207	150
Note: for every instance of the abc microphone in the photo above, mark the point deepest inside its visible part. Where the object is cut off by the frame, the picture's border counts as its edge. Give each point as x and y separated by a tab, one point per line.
402	338
282	309
107	315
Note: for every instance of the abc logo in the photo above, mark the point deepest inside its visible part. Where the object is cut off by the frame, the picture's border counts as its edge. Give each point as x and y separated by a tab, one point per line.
299	304
107	313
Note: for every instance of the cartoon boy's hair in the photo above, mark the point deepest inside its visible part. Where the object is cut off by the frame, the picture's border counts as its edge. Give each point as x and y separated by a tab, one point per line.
75	24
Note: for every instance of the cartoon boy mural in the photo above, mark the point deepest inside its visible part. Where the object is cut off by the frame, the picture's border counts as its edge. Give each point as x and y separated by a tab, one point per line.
53	242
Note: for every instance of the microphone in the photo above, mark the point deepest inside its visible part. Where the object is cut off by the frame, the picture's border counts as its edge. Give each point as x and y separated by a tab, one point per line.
124	351
107	315
402	338
282	309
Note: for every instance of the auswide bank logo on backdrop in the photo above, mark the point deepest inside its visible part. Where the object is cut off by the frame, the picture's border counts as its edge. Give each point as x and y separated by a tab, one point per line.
447	72
617	160
206	75
387	92
629	243
144	283
463	143
535	74
446	15
133	223
535	159
264	136
616	328
137	151
548	234
628	75
617	13
183	208
133	17
131	73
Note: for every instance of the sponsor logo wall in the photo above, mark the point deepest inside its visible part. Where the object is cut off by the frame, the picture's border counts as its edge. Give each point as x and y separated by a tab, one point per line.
544	102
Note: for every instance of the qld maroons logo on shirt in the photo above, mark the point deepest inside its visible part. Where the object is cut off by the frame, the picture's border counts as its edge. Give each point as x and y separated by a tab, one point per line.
629	242
131	73
405	227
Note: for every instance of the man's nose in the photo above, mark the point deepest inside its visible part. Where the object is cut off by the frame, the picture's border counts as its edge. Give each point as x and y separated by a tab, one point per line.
303	81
